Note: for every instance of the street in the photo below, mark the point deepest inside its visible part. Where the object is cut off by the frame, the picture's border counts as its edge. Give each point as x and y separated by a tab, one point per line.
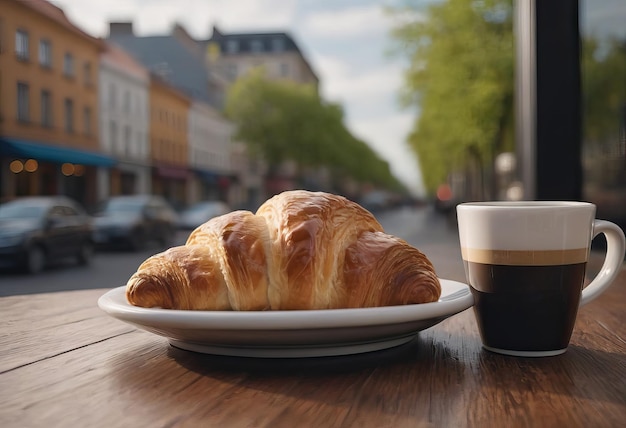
421	227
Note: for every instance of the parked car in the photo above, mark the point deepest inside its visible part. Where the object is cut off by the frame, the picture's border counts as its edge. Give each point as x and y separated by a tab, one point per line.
40	229
200	212
134	221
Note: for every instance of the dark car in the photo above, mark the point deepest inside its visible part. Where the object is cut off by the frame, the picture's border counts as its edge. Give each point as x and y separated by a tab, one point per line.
40	229
200	212
134	221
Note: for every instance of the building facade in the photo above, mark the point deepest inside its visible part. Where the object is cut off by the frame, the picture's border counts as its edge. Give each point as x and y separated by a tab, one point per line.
235	54
89	118
169	145
124	109
177	60
49	104
209	154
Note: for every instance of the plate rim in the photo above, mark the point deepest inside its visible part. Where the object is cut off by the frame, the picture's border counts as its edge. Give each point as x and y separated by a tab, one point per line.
114	303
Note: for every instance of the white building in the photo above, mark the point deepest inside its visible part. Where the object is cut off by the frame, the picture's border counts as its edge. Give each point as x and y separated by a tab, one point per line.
210	136
124	123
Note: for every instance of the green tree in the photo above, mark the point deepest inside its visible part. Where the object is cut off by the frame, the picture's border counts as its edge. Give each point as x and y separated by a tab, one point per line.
460	77
603	63
281	120
604	92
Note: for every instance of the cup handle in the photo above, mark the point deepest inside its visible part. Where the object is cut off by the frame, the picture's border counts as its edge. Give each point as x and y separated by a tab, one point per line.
615	248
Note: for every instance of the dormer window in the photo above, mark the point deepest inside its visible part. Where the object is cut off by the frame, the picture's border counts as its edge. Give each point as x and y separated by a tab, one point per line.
278	44
256	46
232	46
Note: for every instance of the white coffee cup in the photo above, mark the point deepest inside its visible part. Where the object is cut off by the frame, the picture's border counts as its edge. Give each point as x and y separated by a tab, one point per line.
525	263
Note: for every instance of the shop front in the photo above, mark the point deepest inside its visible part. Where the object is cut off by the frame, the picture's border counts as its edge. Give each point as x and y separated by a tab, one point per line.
171	182
29	168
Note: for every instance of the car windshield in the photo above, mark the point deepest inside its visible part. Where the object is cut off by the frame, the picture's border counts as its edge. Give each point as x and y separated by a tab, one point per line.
202	207
21	211
122	206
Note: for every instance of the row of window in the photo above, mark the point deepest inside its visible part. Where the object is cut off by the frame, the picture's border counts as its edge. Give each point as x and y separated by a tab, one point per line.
168	150
22	51
131	103
47	120
46	110
124	146
255	45
175	121
211	158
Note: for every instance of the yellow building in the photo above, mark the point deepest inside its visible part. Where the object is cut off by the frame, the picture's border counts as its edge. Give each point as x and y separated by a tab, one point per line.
169	110
48	103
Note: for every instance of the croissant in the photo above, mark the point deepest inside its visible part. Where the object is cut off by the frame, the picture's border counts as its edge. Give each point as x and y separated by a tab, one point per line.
300	250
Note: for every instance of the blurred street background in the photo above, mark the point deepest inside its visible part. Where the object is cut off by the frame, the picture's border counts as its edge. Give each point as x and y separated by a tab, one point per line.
422	227
124	123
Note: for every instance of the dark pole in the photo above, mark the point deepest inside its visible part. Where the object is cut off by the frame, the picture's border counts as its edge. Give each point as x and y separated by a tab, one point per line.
548	99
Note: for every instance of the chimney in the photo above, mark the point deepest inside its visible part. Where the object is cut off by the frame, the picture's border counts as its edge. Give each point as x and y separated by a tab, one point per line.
121	29
216	34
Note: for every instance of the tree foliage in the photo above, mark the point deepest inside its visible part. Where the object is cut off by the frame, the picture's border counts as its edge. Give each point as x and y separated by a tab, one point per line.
604	89
460	77
282	120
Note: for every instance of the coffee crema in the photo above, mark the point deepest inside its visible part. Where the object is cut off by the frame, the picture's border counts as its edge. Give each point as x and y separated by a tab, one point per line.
525	257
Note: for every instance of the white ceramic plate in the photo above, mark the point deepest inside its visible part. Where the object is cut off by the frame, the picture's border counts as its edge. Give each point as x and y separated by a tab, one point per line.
290	334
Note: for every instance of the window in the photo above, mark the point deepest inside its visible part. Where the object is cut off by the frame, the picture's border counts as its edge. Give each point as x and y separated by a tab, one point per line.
256	46
87	73
232	46
126	102
137	147
69	115
283	69
127	142
21	44
87	121
68	65
46	109
278	44
45	53
23	102
113	135
23	106
112	96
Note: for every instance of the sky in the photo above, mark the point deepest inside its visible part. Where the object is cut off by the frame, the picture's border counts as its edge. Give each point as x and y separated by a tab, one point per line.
346	42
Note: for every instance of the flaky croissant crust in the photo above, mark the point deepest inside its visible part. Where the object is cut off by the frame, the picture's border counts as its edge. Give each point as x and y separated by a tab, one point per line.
300	250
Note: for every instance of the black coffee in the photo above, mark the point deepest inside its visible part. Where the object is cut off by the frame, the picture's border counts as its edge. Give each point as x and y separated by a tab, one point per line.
526	308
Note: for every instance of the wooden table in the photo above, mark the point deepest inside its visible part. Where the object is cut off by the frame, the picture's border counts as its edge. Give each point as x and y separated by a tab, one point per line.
65	363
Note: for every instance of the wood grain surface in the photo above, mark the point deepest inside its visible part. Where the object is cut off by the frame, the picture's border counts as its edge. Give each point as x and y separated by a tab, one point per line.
65	363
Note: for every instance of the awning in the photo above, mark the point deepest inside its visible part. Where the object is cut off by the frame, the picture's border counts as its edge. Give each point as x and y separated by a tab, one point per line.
211	177
175	172
51	153
206	176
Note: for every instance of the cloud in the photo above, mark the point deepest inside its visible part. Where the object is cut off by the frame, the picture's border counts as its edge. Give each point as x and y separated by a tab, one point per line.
197	16
251	15
387	136
354	22
341	81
